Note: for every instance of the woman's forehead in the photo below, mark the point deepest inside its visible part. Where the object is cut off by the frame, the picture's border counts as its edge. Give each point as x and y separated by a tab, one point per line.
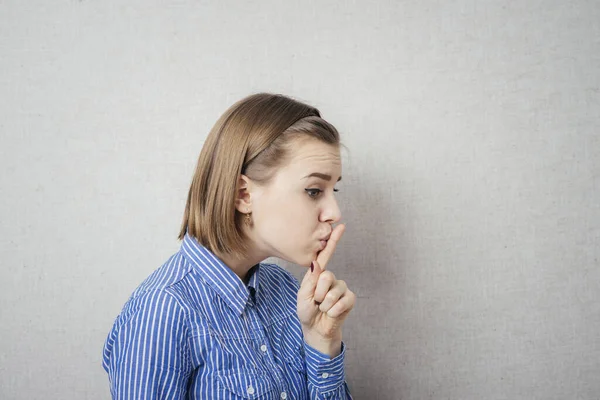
315	154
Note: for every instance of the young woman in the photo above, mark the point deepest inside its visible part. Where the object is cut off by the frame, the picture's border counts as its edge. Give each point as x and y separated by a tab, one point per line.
215	322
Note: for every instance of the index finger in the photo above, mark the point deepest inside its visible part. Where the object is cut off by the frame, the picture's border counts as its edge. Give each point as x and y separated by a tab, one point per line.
327	252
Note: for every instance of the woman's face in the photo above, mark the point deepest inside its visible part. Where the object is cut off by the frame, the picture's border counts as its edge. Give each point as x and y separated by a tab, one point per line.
292	215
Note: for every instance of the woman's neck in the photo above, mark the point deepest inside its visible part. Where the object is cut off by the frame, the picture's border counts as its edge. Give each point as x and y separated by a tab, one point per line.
241	266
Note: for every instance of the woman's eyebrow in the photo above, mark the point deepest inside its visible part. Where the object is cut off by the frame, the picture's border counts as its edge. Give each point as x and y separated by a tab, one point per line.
325	177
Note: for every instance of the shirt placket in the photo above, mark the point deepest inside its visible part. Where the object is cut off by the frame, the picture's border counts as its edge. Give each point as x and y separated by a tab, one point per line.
261	345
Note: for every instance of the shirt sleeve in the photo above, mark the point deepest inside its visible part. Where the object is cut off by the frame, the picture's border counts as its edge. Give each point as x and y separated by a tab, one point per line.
146	354
326	377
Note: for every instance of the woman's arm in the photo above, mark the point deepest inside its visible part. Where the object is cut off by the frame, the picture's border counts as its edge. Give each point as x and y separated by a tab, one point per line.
146	354
326	377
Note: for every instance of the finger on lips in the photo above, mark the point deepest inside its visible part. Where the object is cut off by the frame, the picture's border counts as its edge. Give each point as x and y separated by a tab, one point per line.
324	256
332	296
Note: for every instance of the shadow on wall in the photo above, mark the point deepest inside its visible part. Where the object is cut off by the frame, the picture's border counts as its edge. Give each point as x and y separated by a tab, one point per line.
374	257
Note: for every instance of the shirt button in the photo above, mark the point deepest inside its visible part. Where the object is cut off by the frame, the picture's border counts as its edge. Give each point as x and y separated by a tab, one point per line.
325	375
263	348
283	395
250	390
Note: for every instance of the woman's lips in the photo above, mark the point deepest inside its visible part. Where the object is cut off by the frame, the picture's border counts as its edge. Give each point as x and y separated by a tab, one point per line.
324	240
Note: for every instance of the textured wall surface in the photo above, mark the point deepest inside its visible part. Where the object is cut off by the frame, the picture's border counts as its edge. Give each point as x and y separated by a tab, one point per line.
471	183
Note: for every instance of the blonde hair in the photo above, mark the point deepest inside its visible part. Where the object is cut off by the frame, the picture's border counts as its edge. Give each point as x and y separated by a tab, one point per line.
253	137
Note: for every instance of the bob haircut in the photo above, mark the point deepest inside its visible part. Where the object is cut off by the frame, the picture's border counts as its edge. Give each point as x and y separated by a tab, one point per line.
253	137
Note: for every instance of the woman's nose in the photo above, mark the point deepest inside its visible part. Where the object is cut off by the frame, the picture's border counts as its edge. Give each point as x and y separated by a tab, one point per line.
331	212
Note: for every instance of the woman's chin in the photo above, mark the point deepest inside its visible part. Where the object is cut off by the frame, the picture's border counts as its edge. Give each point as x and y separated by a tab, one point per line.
303	260
307	260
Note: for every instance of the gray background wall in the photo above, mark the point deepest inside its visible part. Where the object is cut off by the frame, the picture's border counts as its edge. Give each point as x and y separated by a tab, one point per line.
471	184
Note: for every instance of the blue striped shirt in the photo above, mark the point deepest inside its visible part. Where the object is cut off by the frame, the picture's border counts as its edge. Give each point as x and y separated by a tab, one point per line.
194	330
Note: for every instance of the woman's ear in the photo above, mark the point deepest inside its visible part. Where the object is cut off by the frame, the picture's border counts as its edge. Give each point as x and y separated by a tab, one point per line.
243	200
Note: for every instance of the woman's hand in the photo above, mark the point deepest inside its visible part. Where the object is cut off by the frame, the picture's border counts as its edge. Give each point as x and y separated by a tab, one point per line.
324	302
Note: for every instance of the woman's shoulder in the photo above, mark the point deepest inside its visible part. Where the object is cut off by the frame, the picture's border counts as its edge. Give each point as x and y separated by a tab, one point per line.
159	285
174	270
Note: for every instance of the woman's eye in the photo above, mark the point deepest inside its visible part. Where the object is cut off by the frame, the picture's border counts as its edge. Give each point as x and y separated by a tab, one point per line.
313	193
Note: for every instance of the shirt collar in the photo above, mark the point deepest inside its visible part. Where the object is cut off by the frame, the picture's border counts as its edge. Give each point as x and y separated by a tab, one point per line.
219	276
